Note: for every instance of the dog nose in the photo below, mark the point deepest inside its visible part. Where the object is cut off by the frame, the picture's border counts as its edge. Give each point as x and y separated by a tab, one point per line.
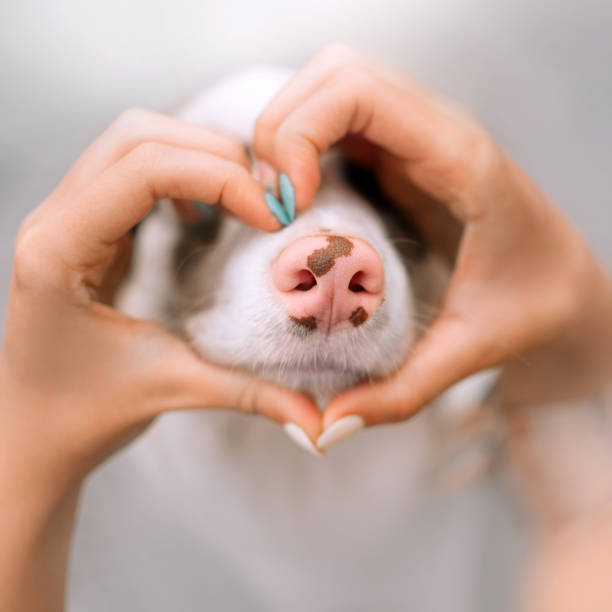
329	282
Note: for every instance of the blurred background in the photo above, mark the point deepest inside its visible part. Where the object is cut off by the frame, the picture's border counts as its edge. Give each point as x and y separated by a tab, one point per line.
536	73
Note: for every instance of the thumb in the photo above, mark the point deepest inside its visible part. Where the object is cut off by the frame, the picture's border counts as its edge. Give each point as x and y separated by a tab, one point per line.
186	381
449	351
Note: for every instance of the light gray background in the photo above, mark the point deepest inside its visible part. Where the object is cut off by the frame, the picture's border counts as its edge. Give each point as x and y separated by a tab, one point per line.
536	73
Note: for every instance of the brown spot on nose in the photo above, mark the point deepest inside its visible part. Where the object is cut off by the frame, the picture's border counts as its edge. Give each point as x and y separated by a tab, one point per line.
358	316
321	261
307	322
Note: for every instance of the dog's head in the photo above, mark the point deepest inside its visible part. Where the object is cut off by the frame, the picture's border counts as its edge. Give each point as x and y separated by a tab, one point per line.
320	305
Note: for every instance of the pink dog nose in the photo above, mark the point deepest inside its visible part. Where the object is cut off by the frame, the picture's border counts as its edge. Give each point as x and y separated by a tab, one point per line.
329	281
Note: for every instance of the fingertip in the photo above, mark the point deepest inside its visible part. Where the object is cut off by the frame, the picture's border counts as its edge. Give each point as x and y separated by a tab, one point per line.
266	175
347	403
299	436
196	383
249	201
300	185
287	193
302	410
298	158
261	213
278	403
277	209
375	403
340	430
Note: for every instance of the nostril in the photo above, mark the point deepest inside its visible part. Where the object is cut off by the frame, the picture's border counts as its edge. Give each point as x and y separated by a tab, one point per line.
355	284
305	281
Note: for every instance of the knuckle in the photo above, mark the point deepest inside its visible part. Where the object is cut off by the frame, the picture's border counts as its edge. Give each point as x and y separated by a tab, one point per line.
237	151
229	172
471	158
220	144
483	158
235	184
299	141
345	65
242	175
132	117
144	166
29	262
265	125
480	147
570	285
354	78
247	398
353	85
27	224
338	52
147	155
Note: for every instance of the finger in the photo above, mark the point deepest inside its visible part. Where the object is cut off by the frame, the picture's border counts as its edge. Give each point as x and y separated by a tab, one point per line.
447	353
436	225
121	196
116	272
183	380
444	153
298	89
135	127
325	64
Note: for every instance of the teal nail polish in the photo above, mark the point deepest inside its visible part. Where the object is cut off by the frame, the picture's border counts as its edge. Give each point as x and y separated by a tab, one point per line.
276	208
287	193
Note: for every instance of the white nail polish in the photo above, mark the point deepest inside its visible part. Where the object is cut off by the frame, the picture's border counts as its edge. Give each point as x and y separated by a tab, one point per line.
340	430
298	435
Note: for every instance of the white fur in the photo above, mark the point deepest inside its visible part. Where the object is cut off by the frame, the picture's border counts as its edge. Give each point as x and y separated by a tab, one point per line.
248	327
245	325
219	511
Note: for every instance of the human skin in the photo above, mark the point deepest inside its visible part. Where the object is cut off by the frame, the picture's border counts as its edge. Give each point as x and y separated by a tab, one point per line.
559	455
525	290
79	380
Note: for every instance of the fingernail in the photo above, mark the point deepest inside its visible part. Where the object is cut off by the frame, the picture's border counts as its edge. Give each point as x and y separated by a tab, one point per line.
277	209
205	211
340	430
267	175
287	193
298	435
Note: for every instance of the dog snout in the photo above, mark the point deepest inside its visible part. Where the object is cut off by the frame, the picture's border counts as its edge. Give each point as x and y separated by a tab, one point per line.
329	282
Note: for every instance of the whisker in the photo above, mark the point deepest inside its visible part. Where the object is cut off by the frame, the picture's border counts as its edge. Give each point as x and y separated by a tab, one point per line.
404	240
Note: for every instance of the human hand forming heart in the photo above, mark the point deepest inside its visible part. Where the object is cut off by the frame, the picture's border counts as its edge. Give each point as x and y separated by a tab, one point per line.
524	284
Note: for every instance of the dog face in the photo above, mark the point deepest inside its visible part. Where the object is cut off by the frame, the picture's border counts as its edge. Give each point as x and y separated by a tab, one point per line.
234	313
329	301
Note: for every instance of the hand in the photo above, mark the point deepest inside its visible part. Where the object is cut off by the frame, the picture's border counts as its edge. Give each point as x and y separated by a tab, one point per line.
524	281
77	378
571	569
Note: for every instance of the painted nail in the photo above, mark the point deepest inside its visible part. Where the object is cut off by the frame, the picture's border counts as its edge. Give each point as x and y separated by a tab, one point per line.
276	208
287	193
267	175
340	430
298	435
